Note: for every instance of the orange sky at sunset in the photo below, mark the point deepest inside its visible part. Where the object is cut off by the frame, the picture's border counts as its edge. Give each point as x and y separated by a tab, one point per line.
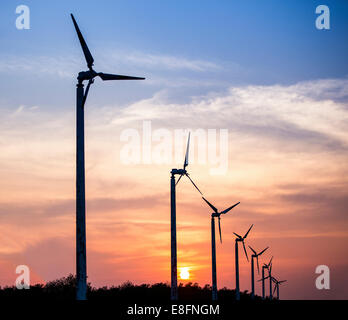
287	165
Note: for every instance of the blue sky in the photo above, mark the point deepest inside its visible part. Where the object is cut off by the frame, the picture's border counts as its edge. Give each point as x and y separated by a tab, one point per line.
230	42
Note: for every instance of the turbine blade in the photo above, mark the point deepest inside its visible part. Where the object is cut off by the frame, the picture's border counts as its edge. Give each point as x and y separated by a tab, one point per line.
270	262
246	254
282	281
210	205
193	184
270	268
187	151
86	92
228	209
252	250
258	267
240	237
262	251
108	76
86	52
275	288
247	232
178	179
264	278
220	230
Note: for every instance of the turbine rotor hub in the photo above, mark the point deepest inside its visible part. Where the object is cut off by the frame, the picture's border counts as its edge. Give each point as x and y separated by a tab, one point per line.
178	171
86	75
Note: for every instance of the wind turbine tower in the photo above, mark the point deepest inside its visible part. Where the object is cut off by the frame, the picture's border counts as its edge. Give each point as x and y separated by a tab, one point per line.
81	96
270	280
255	256
265	267
173	245
237	240
215	214
277	283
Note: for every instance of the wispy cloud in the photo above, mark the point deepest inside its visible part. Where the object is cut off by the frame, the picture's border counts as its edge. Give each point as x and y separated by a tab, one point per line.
68	65
63	67
161	61
302	113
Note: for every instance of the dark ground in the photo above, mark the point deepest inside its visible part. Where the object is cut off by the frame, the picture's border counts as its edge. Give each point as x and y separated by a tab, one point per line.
56	299
64	289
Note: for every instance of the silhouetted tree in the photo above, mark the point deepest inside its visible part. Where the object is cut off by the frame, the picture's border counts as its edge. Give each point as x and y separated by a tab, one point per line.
127	292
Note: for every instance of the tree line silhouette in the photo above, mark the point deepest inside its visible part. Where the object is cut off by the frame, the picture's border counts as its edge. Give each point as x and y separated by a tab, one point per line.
65	289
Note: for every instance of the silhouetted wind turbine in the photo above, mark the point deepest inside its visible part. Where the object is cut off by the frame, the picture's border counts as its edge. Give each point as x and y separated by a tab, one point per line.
81	96
270	279
255	255
181	172
277	283
239	239
215	214
265	266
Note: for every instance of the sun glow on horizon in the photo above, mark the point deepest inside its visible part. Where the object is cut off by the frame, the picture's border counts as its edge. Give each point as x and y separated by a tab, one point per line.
184	273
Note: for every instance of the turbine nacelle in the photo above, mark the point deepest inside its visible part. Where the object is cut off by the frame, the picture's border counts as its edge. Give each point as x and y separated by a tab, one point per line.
179	171
86	75
215	215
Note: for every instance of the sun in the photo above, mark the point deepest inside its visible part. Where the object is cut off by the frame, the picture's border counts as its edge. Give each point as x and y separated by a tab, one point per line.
184	273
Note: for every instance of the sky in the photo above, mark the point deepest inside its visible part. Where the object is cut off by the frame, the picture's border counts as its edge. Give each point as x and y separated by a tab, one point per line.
259	70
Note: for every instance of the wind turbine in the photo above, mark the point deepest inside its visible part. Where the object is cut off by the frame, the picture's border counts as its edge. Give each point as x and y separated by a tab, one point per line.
255	255
181	172
270	279
81	96
239	239
265	266
277	283
215	214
